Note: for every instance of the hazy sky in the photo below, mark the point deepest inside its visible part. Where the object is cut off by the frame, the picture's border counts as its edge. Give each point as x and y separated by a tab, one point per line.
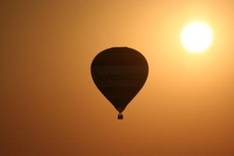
49	104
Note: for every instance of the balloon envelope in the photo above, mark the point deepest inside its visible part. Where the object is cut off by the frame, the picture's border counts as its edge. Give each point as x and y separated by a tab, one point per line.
119	73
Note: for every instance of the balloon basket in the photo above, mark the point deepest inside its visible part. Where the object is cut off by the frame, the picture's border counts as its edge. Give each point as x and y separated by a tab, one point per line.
120	116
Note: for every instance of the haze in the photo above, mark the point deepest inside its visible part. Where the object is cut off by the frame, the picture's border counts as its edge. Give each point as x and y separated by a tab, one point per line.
51	106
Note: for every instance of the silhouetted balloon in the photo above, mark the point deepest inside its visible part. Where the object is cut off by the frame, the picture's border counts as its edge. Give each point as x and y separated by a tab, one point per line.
119	73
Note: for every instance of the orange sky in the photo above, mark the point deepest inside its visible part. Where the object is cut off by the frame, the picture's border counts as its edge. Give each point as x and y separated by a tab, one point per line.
50	105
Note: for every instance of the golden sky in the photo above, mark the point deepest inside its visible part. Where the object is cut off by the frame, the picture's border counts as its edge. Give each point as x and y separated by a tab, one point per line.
50	105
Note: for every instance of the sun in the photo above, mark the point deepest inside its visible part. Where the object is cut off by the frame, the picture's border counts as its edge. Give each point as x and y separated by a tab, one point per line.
196	37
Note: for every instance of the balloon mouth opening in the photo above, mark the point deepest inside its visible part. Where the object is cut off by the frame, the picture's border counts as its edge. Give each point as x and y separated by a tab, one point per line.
120	116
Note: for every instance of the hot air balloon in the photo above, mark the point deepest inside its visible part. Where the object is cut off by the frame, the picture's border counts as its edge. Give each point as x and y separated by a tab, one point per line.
119	73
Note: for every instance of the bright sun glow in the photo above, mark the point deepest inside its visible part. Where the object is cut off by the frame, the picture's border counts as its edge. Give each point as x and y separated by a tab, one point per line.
196	37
